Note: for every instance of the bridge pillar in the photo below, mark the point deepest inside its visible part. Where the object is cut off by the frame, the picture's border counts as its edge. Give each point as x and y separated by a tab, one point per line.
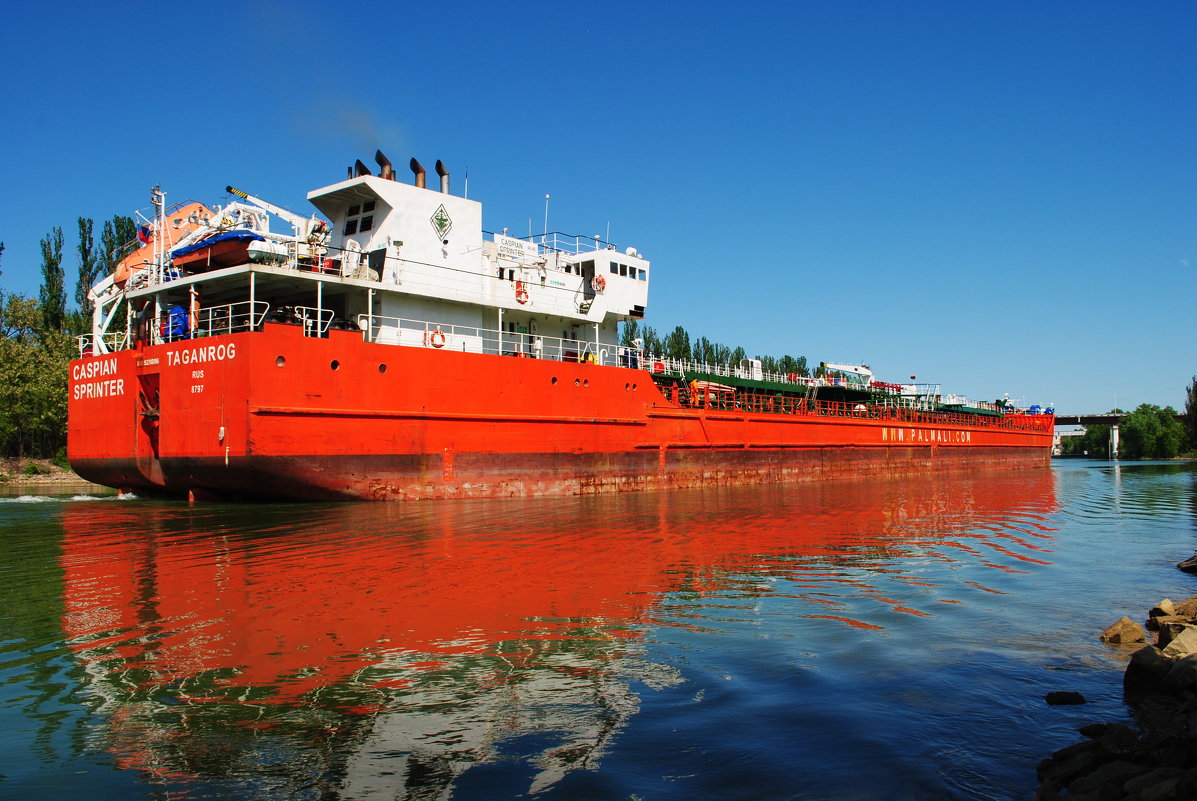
1114	441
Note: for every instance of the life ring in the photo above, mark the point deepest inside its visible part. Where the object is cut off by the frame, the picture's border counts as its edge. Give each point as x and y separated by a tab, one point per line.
437	338
521	293
598	283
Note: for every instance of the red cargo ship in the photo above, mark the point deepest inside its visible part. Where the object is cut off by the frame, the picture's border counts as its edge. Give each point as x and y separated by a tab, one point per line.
404	353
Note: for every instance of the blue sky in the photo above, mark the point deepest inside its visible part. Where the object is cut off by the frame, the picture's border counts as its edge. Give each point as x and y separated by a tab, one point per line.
997	196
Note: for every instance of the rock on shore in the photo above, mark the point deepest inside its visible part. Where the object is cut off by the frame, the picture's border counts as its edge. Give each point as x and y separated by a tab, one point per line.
1158	762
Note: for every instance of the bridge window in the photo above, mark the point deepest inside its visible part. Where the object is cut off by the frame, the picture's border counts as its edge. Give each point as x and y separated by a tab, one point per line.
354	224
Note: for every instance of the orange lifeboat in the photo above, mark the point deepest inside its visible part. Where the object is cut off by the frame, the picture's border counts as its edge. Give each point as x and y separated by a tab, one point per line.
180	221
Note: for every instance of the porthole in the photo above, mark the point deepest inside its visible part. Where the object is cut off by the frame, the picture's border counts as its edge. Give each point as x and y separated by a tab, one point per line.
335	365
633	387
586	383
382	368
627	387
577	382
280	362
554	381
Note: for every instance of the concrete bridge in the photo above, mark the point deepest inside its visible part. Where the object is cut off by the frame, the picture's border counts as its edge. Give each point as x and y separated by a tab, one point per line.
1108	419
1111	419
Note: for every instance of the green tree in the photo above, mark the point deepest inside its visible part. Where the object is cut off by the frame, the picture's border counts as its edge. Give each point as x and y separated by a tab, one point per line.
114	236
1150	432
1095	442
33	368
629	334
1190	405
704	351
53	293
652	343
738	355
1069	446
89	265
677	344
796	366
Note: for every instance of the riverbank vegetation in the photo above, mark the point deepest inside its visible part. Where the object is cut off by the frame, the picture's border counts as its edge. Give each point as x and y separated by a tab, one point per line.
1148	432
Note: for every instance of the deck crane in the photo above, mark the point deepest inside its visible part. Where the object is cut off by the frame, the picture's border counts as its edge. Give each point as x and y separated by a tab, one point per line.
309	229
860	373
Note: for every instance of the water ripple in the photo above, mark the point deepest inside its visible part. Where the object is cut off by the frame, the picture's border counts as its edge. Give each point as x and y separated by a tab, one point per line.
668	645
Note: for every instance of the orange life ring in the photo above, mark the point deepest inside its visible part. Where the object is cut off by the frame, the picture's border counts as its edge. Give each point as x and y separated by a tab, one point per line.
437	339
521	296
598	283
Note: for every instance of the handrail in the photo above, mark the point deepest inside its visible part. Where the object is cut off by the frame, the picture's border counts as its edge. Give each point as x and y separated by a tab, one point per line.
572	244
210	321
315	321
667	364
112	342
729	400
473	339
244	315
671	365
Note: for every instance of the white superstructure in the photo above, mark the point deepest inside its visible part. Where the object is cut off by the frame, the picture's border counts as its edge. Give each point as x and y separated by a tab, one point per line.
427	251
404	263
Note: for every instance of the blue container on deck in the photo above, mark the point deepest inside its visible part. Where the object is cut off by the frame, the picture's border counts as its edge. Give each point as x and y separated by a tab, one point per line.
176	325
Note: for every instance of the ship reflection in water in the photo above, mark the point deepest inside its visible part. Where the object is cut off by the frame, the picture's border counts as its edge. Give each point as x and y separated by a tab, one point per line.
406	650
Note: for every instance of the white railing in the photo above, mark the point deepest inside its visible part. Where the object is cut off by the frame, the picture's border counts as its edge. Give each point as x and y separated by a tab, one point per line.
913	396
211	321
315	321
242	316
664	364
567	243
472	339
112	342
180	324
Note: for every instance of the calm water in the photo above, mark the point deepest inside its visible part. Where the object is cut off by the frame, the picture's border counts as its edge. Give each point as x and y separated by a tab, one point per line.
871	640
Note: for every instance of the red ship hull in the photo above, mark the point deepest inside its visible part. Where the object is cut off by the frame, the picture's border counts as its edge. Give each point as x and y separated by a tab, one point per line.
276	414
